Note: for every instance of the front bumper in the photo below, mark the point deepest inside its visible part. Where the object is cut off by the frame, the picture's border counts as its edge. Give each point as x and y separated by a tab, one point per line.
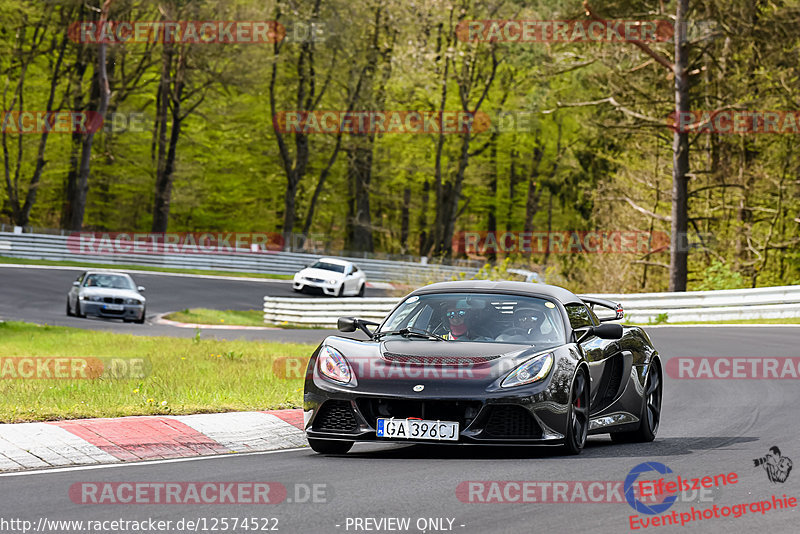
325	287
130	312
533	414
495	422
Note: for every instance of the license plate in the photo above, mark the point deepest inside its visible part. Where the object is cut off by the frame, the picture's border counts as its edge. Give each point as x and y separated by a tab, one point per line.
114	307
417	429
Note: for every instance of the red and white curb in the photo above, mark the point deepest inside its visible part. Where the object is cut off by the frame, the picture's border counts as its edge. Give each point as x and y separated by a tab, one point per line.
128	439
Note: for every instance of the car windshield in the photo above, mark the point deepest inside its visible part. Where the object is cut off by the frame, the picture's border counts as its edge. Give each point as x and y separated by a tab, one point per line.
108	281
335	267
487	317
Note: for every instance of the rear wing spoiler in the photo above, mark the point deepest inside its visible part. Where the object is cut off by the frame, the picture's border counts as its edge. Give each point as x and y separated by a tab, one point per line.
604	303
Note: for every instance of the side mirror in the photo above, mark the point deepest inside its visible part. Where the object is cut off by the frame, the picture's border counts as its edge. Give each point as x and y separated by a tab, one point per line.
350	324
76	283
140	289
607	331
346	324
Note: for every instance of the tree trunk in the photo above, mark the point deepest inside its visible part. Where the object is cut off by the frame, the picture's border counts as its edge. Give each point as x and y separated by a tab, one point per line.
359	172
534	189
81	186
549	225
404	220
70	187
422	220
512	185
166	158
33	187
492	218
679	252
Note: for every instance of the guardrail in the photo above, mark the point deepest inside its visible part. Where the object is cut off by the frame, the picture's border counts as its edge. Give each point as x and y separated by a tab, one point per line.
693	306
709	306
54	247
324	312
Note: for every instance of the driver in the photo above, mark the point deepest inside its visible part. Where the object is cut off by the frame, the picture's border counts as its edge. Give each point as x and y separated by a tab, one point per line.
529	320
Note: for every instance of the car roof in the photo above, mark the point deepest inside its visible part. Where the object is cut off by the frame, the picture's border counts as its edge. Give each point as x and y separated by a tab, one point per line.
87	273
564	296
335	260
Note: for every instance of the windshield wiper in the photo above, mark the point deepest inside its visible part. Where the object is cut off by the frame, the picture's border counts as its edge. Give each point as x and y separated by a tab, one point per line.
407	332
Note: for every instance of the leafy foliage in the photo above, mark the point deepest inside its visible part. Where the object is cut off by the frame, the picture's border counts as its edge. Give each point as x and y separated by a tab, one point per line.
593	153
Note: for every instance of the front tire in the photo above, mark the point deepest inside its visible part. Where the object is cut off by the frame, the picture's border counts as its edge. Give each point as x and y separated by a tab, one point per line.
340	293
577	415
328	446
361	290
651	411
69	309
78	311
144	314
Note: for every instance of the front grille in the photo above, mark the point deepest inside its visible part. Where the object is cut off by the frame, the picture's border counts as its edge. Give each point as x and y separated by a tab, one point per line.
111	300
509	421
462	411
437	360
335	416
316	280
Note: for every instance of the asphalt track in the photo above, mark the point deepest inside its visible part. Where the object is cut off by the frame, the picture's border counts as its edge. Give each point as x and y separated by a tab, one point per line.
709	427
39	295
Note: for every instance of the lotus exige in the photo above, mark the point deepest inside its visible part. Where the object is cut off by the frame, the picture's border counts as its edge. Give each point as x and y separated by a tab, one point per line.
483	362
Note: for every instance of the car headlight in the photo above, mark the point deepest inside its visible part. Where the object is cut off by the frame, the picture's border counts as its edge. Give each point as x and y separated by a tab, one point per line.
93	298
133	301
530	371
333	282
333	365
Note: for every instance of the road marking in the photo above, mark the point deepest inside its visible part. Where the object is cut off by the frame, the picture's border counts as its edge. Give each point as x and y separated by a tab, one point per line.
147	462
713	325
156	273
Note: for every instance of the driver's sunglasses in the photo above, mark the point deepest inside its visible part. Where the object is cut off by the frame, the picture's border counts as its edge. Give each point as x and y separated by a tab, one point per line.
458	313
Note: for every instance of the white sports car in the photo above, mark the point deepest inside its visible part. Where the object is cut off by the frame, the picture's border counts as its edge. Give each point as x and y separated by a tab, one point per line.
333	277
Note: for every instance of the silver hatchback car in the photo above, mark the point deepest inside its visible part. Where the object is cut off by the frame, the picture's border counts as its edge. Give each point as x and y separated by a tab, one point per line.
107	294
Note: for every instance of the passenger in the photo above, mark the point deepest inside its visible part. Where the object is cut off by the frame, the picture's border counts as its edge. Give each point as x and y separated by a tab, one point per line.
458	317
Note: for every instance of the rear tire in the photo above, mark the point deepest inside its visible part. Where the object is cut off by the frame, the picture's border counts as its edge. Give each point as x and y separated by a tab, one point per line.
577	415
327	446
650	416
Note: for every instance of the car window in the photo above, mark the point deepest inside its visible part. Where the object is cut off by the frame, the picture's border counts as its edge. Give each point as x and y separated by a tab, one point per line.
484	317
578	316
108	281
334	267
593	315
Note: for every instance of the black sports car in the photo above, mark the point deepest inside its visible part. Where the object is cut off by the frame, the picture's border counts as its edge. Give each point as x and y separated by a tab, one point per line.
483	362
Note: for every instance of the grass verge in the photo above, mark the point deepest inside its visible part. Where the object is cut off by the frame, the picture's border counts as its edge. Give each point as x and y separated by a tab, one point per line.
185	375
228	317
149	268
